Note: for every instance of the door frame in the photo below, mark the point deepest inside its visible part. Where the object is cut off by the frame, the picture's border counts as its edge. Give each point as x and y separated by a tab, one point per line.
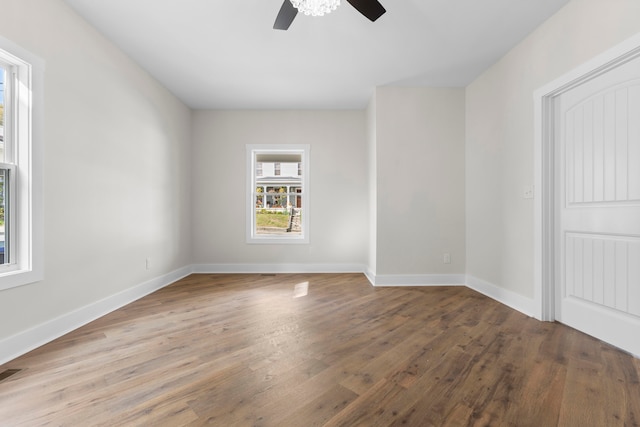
545	182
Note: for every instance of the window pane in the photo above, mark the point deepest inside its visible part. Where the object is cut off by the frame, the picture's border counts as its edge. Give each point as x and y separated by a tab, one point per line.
3	74
272	222
4	232
278	194
4	173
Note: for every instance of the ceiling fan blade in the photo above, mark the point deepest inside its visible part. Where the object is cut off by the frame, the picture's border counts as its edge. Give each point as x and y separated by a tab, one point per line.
285	16
372	9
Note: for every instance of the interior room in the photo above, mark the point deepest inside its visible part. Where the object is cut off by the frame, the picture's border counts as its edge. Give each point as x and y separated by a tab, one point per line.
430	188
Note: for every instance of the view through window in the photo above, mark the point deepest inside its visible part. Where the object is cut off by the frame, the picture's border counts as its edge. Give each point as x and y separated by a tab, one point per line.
278	194
4	171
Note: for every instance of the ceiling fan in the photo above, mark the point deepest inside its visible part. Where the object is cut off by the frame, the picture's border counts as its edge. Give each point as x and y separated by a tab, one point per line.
371	9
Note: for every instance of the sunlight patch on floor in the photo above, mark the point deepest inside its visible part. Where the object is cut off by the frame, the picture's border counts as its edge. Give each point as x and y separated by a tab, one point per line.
301	290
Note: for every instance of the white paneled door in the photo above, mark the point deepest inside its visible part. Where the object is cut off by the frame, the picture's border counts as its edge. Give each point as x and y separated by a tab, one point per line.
598	206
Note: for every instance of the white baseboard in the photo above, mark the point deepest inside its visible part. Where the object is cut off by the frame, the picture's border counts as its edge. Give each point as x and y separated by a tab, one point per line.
509	298
416	279
277	268
371	276
23	342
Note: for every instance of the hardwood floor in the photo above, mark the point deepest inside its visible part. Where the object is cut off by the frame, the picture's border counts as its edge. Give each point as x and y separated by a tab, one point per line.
312	350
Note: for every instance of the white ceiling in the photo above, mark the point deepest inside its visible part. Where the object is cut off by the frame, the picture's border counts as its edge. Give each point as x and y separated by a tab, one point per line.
225	54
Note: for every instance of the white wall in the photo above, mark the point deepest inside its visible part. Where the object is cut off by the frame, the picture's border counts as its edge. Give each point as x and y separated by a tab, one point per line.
338	217
117	152
420	180
499	129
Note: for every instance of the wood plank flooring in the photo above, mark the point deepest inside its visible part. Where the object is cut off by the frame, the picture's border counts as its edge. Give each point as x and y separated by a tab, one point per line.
320	350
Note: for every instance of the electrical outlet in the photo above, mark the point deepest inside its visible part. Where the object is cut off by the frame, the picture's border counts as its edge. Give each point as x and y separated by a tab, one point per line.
446	258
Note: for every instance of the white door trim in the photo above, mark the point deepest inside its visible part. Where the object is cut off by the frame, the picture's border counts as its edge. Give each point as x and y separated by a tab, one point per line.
544	219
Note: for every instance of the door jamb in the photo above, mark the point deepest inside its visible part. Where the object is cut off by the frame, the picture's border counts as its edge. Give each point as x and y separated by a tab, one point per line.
544	180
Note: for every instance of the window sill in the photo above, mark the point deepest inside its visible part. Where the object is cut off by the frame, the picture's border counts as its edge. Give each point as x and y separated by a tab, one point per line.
275	240
14	278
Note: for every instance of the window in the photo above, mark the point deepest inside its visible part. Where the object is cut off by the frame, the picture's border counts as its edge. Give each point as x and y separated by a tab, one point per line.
277	194
20	171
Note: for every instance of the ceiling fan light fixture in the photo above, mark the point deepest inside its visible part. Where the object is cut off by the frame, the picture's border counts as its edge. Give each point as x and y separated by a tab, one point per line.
315	7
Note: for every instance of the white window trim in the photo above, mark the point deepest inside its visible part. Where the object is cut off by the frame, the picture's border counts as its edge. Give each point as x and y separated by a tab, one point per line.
252	150
27	132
